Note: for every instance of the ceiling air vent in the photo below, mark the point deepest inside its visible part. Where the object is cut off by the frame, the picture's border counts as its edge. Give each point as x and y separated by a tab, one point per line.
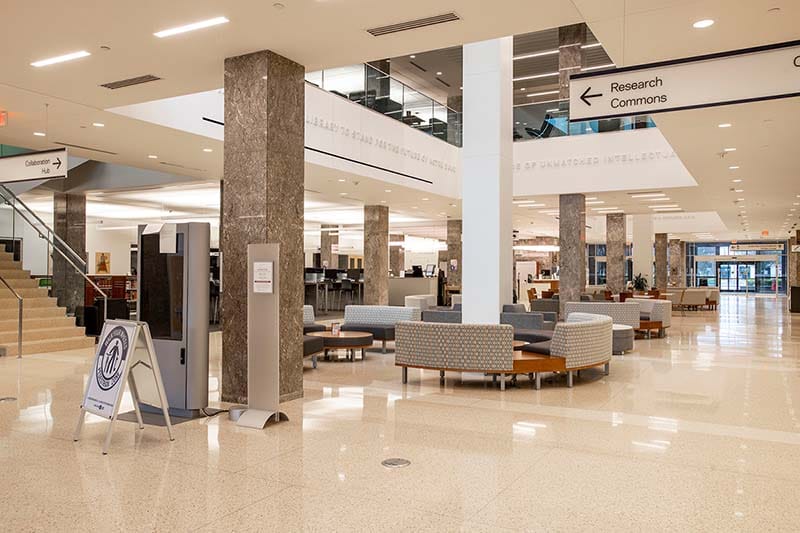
130	81
413	24
89	148
423	69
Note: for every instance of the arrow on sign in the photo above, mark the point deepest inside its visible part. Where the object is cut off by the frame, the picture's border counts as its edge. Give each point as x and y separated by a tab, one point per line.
585	96
57	164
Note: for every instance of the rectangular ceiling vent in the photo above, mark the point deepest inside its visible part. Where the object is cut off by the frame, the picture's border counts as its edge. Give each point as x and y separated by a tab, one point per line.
413	24
138	80
78	146
423	69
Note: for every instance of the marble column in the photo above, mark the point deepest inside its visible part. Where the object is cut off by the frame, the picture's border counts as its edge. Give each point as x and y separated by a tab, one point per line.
397	254
677	264
69	223
616	236
454	228
487	154
572	239
376	255
643	247
328	238
660	281
793	263
263	203
570	55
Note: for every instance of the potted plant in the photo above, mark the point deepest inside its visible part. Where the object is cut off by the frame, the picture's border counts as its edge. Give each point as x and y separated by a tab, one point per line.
640	283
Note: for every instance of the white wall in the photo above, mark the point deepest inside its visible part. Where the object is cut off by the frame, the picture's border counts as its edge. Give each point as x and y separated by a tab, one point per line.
421	258
117	242
34	248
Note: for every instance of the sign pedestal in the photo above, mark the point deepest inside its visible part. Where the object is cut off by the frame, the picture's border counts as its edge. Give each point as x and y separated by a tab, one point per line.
125	354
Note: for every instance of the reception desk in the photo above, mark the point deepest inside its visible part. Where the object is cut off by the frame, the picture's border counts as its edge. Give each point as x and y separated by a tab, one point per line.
399	288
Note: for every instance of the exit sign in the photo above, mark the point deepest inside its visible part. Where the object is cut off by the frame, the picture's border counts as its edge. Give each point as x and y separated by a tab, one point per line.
3	118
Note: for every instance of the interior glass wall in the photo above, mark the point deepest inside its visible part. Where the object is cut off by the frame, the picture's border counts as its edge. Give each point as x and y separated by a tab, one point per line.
732	270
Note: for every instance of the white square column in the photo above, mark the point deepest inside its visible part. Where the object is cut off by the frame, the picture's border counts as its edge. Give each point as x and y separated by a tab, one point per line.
487	185
643	247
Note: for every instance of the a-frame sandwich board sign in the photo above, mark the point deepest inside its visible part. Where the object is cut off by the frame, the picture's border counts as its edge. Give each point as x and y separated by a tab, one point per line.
125	354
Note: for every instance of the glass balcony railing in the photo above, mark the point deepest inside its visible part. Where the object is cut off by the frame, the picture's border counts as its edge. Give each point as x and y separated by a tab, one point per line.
372	88
551	119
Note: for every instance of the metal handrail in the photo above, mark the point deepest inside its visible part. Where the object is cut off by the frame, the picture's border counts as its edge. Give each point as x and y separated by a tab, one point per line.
19	327
58	249
39	220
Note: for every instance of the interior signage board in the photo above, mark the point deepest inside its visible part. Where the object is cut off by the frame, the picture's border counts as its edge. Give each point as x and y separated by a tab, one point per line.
756	247
34	166
739	76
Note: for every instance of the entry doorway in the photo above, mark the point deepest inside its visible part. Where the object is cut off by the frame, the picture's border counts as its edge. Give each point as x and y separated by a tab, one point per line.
736	276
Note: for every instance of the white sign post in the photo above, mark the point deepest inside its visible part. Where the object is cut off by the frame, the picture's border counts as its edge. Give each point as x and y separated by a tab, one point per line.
125	354
739	76
34	166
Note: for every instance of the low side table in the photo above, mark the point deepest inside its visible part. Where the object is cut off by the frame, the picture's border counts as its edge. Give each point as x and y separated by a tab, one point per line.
345	340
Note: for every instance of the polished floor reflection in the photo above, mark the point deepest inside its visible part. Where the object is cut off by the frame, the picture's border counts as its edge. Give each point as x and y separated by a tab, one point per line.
695	432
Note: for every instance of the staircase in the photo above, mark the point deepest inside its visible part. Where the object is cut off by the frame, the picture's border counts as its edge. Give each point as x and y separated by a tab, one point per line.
45	327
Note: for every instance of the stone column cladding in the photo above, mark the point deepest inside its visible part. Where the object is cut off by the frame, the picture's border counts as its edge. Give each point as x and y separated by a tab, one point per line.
570	54
376	255
677	264
661	262
327	239
454	228
616	235
397	255
793	263
572	238
263	203
69	221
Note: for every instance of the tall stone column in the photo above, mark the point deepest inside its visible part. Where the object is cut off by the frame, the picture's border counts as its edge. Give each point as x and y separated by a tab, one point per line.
677	264
616	236
643	247
376	255
793	263
69	223
397	254
570	55
486	279
263	203
454	228
327	239
572	239
661	262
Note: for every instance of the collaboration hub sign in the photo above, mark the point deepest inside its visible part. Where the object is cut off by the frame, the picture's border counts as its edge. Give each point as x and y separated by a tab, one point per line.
34	166
740	76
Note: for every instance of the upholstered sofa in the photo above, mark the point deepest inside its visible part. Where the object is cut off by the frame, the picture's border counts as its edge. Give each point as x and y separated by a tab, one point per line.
545	305
442	315
308	320
627	313
380	320
655	311
312	346
584	340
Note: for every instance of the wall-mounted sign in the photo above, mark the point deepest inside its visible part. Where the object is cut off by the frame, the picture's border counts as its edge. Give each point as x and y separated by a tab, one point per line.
796	248
34	166
757	247
262	277
689	83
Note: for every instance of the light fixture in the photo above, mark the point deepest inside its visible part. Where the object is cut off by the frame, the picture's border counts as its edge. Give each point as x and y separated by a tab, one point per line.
543	93
383	201
424	199
737	181
604	208
191	27
341	180
523	89
738	190
648	195
705	23
208	150
665	199
152	156
537	54
740	199
60	59
412	56
733	167
668	209
98	125
342	194
39	134
598	67
536	76
729	149
592	45
414	207
724	125
387	190
439	73
595	202
662	206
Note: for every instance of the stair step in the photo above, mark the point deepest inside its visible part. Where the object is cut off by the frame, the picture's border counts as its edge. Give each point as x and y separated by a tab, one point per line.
26	292
34	303
14	273
22	283
12	313
38	323
10	337
48	346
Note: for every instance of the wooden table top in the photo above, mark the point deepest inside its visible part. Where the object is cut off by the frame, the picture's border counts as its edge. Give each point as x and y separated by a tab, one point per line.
341	335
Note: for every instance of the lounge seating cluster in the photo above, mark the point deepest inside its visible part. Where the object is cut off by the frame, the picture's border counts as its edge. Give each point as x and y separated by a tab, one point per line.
694	298
380	320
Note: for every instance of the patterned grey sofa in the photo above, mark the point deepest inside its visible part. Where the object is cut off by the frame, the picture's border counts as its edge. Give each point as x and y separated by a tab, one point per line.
380	320
626	313
544	305
655	310
442	315
583	341
440	346
528	327
308	320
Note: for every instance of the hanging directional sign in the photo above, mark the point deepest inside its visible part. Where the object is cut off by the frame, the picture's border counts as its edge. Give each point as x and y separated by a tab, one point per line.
34	166
750	75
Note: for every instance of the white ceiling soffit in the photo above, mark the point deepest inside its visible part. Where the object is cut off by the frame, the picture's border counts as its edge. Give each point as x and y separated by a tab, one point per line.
626	160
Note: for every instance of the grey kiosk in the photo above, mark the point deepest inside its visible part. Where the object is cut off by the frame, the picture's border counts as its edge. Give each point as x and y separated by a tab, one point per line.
173	298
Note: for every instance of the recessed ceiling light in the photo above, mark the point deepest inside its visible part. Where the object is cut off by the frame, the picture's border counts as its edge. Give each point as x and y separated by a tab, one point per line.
424	199
733	167
595	202
439	73
342	194
724	125
705	23
152	156
207	150
740	199
665	199
523	89
543	93
648	195
452	205
737	181
383	201
729	149
412	56
39	134
414	207
191	27
98	125
738	190
387	190
537	54
60	59
536	76
662	206
591	198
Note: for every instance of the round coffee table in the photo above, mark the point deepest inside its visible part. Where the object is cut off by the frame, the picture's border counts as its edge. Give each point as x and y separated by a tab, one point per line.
345	340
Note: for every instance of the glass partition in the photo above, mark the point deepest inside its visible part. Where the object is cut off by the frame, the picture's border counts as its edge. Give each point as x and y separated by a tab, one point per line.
551	119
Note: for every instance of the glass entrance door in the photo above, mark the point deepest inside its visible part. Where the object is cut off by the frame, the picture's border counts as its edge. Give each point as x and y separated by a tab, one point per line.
736	277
